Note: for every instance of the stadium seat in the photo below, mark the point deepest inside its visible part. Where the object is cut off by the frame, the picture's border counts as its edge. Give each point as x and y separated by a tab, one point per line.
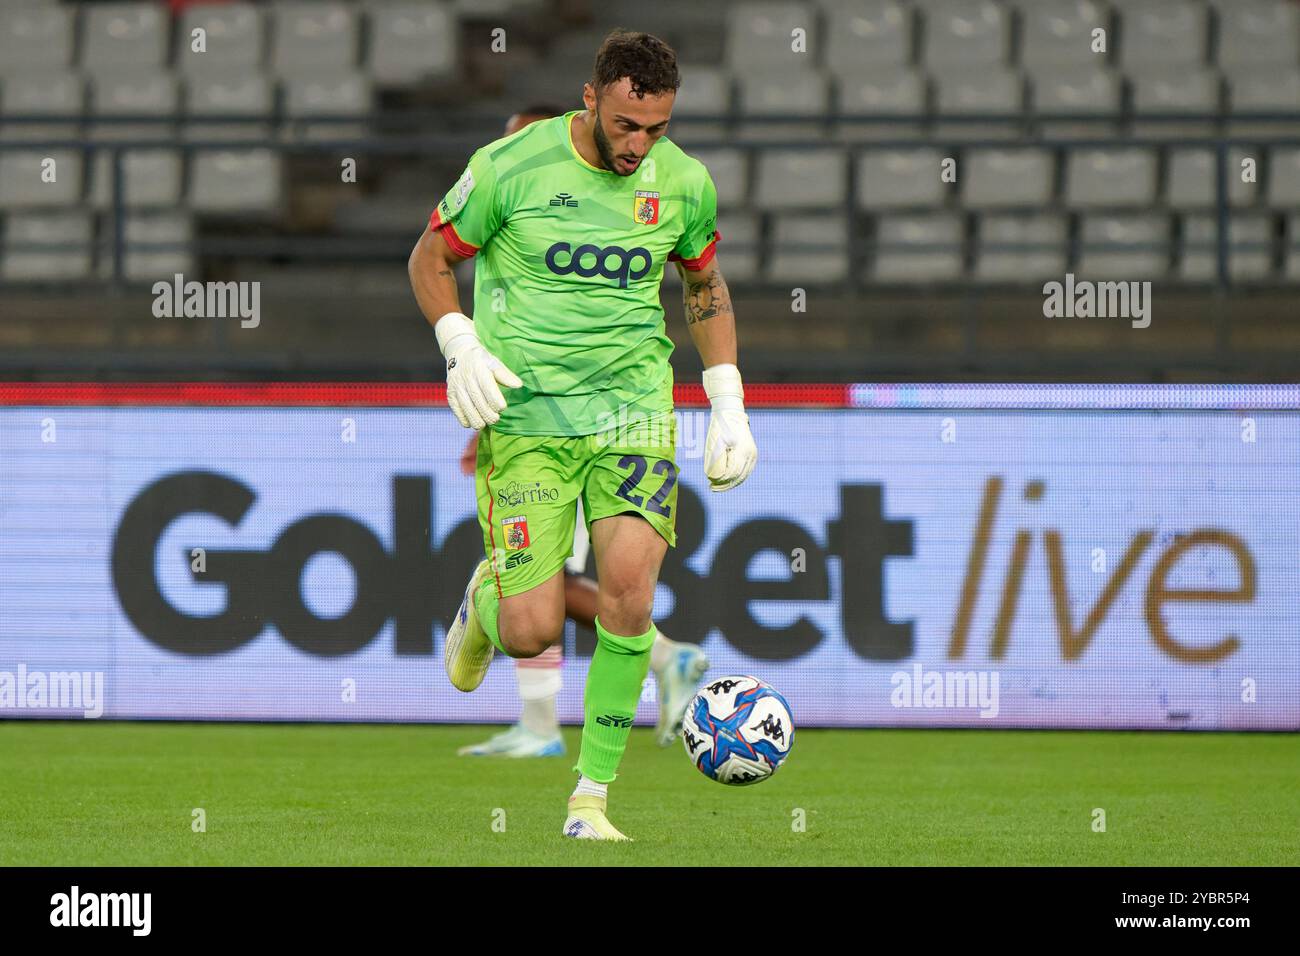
47	93
962	35
1131	247
229	181
31	246
705	91
313	37
410	41
1292	266
1269	89
809	249
1004	178
988	91
802	93
729	169
1018	248
235	38
794	178
901	178
760	37
1162	33
1174	90
333	93
1284	177
148	92
1091	93
871	34
919	248
1190	178
1057	34
228	95
895	91
738	250
1259	31
124	36
22	185
1250	248
146	257
1110	177
150	178
35	38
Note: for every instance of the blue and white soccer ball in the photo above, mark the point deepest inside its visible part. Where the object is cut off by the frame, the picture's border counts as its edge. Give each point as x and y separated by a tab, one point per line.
738	730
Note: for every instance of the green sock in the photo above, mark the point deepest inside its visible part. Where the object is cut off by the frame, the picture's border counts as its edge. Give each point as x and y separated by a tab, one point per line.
488	606
618	669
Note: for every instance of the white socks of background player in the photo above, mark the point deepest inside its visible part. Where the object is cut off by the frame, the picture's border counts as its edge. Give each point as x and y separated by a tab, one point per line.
661	653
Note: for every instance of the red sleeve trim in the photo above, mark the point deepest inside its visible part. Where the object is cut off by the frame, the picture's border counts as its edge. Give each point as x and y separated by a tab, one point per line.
457	244
703	259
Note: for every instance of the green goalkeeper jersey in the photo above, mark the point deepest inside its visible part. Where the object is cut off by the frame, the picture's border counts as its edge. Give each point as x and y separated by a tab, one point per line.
569	259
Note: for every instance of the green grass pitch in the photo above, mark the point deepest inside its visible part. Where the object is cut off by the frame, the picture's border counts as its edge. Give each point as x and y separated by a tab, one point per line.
273	794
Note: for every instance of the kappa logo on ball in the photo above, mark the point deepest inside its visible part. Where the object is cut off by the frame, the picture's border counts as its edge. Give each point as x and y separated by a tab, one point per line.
516	531
645	208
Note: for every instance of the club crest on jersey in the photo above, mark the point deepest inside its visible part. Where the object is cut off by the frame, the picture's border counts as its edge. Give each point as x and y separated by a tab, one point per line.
645	208
516	531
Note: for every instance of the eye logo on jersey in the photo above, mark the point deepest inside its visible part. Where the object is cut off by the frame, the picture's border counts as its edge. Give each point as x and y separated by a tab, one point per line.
645	208
612	262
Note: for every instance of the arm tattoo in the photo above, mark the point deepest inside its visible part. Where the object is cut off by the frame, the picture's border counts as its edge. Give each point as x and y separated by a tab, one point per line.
706	299
445	272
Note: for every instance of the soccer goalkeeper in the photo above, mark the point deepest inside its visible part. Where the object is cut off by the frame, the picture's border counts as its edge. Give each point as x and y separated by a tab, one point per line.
565	373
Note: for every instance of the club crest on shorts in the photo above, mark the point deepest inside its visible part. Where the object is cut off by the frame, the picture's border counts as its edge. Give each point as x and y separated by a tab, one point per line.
645	208
516	531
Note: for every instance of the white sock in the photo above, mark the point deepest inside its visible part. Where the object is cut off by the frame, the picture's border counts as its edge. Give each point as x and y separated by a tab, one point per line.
661	652
538	688
590	788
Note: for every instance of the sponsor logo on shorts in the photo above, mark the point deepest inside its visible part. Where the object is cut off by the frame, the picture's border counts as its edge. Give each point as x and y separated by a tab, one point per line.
516	532
525	493
517	558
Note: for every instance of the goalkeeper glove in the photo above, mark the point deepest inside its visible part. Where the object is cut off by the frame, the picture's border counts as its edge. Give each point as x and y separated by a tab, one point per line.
473	373
729	449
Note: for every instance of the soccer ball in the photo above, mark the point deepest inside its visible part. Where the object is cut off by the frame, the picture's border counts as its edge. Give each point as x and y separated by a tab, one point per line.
738	730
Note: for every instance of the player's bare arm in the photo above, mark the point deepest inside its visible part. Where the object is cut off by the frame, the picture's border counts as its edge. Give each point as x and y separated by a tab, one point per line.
709	314
432	278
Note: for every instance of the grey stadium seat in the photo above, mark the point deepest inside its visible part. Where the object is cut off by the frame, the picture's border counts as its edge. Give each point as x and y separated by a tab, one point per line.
894	91
919	248
1270	89
1017	248
1284	177
1293	247
1005	178
962	34
313	37
124	93
738	251
23	187
39	92
1259	31
705	91
117	36
1131	247
236	38
802	93
35	37
869	35
809	249
1190	178
158	245
235	181
1160	33
1110	177
1057	34
793	178
988	91
150	177
1250	248
26	233
228	95
409	41
729	169
901	178
335	94
1093	93
1173	90
759	37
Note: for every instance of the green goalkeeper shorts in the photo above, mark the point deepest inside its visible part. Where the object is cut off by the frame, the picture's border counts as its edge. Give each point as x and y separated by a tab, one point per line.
528	487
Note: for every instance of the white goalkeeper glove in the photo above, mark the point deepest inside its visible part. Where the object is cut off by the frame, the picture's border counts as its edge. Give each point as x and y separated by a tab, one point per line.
473	373
729	449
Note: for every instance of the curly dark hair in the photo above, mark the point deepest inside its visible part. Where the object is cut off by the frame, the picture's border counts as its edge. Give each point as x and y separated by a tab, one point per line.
648	61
